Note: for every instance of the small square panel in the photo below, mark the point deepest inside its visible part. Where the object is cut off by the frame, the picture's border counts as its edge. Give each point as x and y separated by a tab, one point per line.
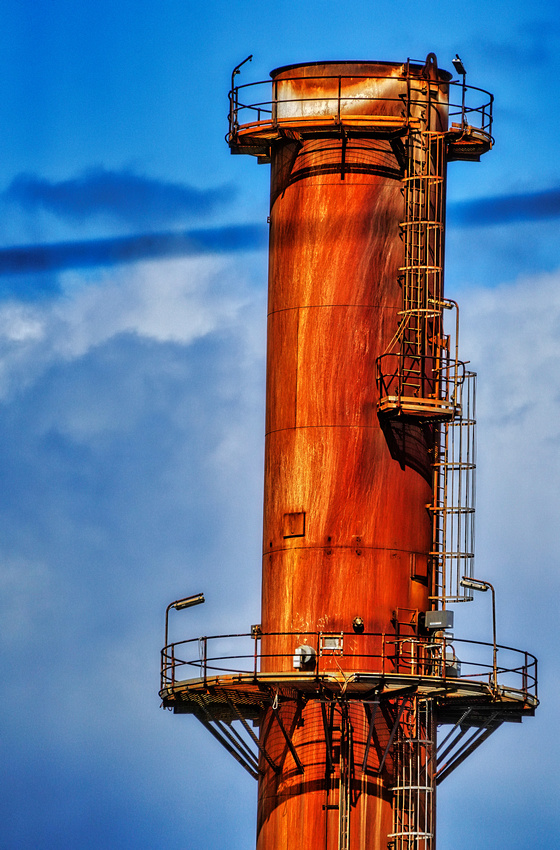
419	566
294	524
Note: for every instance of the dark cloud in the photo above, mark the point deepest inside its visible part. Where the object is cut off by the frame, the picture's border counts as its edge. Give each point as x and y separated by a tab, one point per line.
506	209
122	195
29	259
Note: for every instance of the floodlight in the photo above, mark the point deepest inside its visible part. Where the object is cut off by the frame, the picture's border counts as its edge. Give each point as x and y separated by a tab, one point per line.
478	584
474	584
179	604
458	65
188	601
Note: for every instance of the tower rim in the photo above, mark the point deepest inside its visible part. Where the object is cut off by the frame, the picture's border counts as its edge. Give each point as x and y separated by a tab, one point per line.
415	66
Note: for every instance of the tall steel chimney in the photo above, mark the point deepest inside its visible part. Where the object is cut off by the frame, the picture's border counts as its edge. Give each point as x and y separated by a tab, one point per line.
369	464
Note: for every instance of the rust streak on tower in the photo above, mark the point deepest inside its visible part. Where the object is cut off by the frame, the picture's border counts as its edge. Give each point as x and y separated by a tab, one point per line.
369	458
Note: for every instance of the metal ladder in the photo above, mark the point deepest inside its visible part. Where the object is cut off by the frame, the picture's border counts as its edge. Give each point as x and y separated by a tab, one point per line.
418	372
343	788
453	504
414	784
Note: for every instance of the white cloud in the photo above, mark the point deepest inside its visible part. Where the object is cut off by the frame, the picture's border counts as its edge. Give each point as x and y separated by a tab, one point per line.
512	336
177	300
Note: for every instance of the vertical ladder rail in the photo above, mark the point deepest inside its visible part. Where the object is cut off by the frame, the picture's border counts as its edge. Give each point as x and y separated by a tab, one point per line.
414	783
345	780
418	372
453	506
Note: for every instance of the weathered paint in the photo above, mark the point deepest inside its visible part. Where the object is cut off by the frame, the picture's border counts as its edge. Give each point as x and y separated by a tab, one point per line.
347	532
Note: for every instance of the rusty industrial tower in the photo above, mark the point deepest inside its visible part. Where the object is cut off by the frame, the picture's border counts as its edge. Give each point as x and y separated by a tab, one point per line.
333	702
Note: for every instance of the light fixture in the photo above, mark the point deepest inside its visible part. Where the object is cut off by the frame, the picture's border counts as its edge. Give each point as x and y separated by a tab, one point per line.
478	584
458	65
474	584
179	604
304	656
237	68
233	104
188	601
460	68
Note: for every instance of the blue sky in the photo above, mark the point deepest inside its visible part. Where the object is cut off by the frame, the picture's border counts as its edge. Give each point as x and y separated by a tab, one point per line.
132	315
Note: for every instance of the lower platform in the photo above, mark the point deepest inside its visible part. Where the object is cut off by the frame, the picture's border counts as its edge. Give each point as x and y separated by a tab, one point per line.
246	695
232	695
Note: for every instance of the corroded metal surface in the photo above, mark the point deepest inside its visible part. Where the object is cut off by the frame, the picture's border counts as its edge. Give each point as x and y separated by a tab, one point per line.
346	530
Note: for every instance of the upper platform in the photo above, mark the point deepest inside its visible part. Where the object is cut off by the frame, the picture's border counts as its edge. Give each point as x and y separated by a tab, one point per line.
375	99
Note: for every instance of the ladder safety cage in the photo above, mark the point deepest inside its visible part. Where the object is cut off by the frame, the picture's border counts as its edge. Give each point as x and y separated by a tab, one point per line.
418	374
453	507
415	770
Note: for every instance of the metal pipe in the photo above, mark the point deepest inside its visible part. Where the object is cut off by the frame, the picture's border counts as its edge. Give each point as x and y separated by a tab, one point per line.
179	604
478	584
233	93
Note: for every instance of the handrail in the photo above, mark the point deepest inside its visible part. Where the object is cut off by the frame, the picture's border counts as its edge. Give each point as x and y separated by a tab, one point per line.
405	375
477	116
426	657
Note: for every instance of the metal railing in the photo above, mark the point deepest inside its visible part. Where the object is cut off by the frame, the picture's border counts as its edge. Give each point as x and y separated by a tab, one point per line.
479	116
437	658
252	104
424	383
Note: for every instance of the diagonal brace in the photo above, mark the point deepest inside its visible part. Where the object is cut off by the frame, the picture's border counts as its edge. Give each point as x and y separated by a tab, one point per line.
288	740
392	735
231	748
328	727
469	747
253	737
375	706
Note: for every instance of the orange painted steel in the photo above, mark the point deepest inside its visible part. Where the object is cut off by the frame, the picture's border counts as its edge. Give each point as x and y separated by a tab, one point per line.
347	532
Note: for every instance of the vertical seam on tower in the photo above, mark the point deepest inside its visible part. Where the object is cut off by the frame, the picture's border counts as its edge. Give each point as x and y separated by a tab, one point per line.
297	370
